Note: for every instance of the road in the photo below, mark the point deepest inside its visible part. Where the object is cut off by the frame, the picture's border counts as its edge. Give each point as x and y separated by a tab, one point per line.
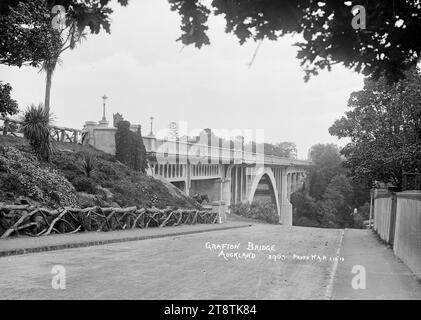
186	267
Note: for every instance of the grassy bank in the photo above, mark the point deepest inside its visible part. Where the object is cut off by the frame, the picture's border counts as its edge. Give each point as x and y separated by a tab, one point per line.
78	175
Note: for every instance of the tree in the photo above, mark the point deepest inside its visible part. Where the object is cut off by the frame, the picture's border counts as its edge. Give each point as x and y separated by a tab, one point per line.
130	149
337	194
281	149
8	106
141	162
327	163
29	37
384	125
390	44
26	26
26	37
330	196
69	37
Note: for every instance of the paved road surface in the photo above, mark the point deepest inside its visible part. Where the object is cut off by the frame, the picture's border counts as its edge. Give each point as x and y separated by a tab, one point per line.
182	267
386	276
179	268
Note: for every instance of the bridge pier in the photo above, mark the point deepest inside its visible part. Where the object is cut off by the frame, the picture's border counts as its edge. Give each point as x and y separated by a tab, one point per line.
286	206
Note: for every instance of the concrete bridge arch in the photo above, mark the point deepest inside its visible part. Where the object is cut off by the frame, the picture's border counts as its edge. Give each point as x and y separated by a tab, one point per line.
262	172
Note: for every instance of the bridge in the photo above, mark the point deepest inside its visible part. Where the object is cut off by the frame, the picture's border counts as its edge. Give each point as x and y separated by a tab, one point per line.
227	175
227	172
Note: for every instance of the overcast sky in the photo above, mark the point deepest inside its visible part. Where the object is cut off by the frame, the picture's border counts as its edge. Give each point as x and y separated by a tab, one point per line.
143	70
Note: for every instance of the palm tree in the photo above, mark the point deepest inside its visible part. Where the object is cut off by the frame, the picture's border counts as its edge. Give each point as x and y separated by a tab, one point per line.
69	36
48	66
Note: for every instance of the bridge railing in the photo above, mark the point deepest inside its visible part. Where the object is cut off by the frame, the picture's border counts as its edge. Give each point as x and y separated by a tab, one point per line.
61	134
166	150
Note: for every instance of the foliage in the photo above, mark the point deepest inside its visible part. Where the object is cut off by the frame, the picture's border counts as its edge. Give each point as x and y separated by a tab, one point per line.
117	185
389	44
22	45
336	199
8	106
68	38
29	37
265	211
304	206
26	36
130	149
23	174
36	129
84	184
329	196
88	163
327	163
384	125
281	149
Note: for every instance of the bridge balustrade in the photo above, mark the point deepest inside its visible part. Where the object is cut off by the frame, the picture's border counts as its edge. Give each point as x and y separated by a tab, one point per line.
170	172
200	171
197	153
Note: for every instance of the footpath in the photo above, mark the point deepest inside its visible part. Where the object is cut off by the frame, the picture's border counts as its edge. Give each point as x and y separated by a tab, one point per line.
22	245
386	277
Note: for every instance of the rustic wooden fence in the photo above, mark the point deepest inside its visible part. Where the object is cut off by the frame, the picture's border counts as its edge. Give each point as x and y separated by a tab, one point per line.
61	134
397	220
36	221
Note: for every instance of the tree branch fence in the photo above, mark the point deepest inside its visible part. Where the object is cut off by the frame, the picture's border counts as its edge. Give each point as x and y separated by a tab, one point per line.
36	221
59	134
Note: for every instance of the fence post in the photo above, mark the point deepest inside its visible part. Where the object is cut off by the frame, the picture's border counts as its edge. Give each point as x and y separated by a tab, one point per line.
392	218
74	136
370	218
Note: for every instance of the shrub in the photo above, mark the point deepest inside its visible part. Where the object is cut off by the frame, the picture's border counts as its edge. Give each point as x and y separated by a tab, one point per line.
29	179
264	211
105	171
8	106
36	129
84	184
89	164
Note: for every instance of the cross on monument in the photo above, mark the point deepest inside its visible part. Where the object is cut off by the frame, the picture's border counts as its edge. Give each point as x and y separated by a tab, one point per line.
104	98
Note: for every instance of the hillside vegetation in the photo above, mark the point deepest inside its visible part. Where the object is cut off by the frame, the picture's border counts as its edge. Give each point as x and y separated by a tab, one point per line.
78	176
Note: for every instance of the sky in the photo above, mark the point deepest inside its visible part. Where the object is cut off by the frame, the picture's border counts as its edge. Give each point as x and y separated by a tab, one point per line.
145	72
